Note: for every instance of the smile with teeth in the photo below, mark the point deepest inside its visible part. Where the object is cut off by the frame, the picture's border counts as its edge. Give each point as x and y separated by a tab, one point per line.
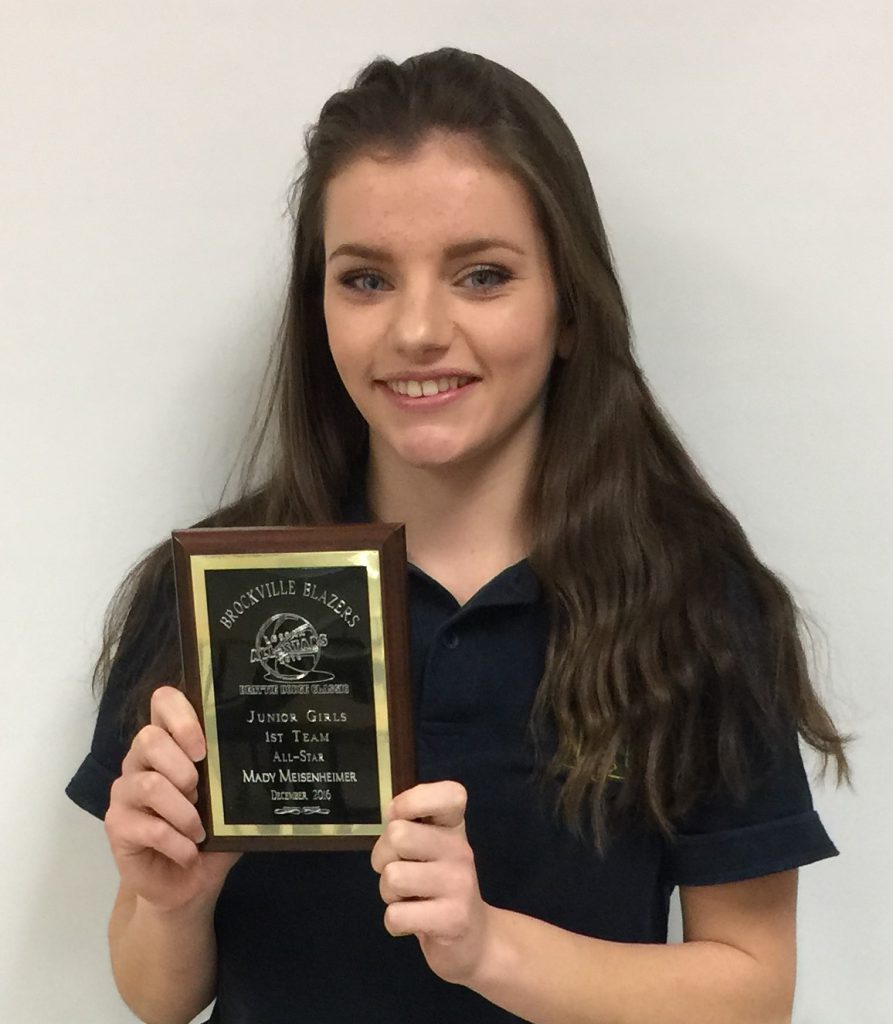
427	388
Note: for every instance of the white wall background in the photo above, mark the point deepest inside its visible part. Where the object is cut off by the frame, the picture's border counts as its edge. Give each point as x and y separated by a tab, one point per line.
743	158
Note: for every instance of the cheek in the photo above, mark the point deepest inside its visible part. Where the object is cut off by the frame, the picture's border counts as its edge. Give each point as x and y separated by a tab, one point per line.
525	340
345	346
338	329
350	376
351	338
526	360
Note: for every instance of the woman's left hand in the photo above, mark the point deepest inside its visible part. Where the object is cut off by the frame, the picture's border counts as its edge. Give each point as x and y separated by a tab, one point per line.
428	879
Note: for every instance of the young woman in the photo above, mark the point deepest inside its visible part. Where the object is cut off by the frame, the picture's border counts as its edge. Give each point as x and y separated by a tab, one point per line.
609	685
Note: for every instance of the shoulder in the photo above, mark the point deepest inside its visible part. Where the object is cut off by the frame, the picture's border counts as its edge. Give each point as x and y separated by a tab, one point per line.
141	651
758	817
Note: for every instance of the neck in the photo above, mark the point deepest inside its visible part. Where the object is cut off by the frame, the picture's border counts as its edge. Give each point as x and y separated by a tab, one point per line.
464	524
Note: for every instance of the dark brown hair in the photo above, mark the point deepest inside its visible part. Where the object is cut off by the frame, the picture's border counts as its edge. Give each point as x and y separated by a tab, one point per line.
672	645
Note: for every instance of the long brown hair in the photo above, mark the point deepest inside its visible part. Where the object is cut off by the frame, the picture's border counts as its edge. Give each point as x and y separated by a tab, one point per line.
672	645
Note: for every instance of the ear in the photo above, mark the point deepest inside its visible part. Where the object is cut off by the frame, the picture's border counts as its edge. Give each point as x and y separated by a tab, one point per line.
564	344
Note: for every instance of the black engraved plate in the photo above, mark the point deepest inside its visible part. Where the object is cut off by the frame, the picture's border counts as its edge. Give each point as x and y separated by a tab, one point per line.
301	687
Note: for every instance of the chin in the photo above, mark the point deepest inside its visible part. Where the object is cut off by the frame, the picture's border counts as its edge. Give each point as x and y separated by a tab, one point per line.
430	451
431	456
430	460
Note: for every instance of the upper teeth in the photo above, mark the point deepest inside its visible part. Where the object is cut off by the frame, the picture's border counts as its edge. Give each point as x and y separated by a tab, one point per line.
418	388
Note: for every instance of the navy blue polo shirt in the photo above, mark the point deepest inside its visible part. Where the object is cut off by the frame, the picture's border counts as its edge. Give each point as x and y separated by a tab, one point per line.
300	935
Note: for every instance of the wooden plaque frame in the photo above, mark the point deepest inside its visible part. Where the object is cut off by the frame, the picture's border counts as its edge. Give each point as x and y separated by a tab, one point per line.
295	649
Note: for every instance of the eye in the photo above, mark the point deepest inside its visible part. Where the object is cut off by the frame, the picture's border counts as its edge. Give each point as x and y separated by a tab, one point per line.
485	278
501	275
348	280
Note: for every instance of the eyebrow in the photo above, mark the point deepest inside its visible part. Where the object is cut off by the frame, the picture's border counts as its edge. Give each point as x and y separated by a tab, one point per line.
452	252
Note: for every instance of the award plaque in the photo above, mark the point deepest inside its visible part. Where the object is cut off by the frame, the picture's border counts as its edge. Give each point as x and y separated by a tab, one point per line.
295	657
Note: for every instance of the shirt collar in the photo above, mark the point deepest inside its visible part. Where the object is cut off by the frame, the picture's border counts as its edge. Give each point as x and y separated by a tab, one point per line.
516	584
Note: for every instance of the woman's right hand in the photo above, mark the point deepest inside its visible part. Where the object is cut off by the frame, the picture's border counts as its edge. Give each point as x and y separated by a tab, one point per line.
152	823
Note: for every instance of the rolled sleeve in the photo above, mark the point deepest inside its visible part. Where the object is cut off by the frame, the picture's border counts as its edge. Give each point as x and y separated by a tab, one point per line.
91	785
773	828
733	855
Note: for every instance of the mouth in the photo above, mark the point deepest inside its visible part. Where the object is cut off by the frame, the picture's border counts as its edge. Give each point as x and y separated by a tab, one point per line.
427	388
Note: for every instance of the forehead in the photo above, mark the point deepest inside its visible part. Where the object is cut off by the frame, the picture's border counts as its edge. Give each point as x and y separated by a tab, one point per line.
448	187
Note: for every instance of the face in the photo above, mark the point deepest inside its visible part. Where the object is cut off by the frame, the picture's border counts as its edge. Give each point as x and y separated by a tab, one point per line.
440	305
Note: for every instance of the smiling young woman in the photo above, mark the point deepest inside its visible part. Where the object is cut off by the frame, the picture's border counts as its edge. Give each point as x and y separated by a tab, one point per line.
448	355
609	684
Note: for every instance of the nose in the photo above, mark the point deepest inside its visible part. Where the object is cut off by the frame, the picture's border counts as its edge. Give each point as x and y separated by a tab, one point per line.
421	328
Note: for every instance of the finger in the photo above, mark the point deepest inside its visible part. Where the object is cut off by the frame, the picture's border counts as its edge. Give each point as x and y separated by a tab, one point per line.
415	840
410	880
132	832
154	749
170	709
438	918
440	803
153	793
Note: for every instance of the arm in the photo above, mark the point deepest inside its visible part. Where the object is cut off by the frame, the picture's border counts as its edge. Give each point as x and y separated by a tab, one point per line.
161	932
164	961
736	965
